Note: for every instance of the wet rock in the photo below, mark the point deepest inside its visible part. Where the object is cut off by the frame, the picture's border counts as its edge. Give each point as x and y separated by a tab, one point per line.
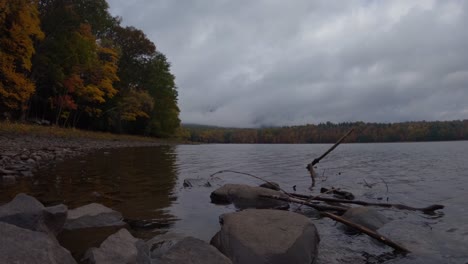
9	179
196	183
6	172
364	216
267	236
160	244
93	215
244	196
271	185
20	245
193	251
120	247
26	212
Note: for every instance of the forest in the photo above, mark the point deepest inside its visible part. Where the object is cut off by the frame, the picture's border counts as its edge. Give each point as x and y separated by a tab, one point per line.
71	63
331	132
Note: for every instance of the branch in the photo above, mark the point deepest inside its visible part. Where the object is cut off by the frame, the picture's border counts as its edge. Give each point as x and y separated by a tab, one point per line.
318	207
367	231
428	209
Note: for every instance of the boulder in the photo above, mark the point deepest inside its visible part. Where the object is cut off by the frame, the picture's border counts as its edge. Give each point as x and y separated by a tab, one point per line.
120	247
26	212
364	216
267	236
192	251
188	183
160	244
271	185
18	245
93	215
244	196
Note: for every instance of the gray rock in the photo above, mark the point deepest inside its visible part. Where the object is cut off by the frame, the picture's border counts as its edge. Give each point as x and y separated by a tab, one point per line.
9	179
196	183
120	247
267	236
192	251
6	172
271	185
93	215
364	216
244	196
26	212
20	245
160	244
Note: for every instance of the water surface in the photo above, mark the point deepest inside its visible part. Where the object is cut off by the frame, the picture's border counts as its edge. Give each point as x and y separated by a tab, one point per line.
146	184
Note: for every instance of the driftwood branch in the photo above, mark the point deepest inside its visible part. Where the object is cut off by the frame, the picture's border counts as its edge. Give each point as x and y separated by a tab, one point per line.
318	207
428	209
367	231
310	167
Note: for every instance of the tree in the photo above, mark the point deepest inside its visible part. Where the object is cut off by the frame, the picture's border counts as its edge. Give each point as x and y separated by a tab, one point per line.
20	28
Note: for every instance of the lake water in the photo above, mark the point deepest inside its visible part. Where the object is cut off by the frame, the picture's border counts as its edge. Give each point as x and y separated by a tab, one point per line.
146	184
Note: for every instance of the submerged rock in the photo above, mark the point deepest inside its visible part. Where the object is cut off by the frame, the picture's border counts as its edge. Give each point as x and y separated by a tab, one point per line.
188	183
18	245
26	212
364	216
267	236
192	251
119	248
93	215
271	185
244	196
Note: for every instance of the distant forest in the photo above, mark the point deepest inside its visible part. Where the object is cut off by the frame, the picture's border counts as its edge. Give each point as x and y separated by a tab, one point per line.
70	63
330	132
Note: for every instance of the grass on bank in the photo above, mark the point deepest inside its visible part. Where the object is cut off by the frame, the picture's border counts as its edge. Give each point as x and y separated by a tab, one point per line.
13	128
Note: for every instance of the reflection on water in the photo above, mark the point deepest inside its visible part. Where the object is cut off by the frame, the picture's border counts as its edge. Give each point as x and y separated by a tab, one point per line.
146	184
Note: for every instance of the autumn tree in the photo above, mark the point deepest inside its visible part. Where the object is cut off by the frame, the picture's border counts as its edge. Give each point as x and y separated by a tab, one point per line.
20	28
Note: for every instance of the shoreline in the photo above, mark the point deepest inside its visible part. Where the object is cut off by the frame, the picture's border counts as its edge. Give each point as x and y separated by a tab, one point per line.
26	148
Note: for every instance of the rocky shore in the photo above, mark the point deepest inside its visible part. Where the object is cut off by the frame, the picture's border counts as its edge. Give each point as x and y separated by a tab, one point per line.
22	154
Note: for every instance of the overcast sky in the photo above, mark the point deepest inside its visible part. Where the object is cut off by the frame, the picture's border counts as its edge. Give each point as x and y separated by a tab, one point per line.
250	63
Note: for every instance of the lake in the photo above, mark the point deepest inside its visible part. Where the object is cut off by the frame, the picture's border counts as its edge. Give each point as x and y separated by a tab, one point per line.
146	184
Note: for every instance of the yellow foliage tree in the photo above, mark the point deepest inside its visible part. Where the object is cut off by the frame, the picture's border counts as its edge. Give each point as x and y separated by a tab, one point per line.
19	29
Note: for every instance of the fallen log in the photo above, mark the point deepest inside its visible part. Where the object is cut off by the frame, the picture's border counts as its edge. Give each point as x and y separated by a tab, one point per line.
319	207
367	231
428	209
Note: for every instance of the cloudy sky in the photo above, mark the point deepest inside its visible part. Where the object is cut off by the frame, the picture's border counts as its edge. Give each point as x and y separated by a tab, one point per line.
250	63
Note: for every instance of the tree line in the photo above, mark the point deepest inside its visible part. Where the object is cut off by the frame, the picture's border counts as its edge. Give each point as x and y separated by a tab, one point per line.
73	64
331	132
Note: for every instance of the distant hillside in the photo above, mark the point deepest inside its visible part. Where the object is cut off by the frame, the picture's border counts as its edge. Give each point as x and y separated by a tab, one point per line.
330	132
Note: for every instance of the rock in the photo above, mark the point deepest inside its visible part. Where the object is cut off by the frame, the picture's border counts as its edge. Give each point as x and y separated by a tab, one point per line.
271	185
26	212
160	244
244	196
267	236
364	216
93	215
193	251
6	172
9	179
196	183
120	247
20	245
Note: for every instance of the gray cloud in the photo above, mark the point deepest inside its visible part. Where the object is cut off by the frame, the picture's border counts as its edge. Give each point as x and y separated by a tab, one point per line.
272	62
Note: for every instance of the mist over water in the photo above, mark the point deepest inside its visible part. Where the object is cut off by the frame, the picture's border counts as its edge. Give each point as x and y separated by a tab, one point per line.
146	184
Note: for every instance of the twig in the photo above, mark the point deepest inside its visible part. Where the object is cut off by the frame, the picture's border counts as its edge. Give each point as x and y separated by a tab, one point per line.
367	231
310	167
317	160
319	207
427	209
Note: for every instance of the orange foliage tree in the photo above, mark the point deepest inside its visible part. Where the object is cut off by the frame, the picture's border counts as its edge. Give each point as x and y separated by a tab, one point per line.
20	29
